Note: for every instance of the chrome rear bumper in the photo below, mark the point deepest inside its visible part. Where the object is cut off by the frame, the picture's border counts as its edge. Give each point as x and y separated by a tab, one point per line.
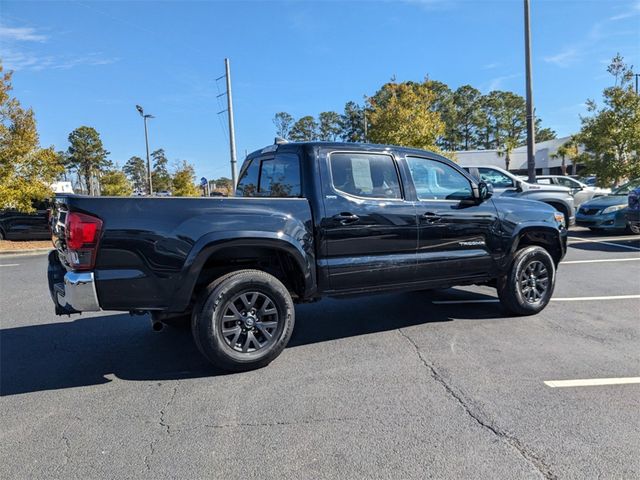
79	292
71	292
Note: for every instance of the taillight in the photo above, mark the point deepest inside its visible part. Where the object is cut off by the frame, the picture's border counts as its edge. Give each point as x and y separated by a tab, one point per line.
82	233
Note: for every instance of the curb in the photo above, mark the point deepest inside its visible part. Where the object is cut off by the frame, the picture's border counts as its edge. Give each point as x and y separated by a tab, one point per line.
15	253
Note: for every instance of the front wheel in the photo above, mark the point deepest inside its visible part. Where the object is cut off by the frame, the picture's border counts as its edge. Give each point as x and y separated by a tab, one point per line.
528	286
244	320
633	228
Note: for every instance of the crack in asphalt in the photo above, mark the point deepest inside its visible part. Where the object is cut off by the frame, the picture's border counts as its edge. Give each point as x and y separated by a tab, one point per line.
163	423
543	469
285	423
67	449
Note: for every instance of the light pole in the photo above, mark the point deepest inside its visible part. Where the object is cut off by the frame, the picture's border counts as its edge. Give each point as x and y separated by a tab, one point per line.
531	121
146	141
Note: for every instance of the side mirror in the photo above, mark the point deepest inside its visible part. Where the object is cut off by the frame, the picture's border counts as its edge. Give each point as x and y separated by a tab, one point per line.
484	191
518	186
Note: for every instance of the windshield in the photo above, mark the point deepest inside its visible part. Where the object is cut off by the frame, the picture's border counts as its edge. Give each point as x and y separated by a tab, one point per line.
627	187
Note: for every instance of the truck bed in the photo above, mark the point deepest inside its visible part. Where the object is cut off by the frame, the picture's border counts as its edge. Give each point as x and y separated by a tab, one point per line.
149	245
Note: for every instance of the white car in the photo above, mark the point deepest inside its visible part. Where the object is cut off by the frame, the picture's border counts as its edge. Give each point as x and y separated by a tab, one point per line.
581	191
507	184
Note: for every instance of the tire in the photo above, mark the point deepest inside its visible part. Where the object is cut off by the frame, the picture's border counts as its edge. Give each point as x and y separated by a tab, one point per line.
633	229
243	320
530	298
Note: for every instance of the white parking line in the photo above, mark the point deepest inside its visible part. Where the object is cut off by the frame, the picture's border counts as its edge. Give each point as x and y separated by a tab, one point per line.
581	240
613	239
591	382
602	260
561	299
10	265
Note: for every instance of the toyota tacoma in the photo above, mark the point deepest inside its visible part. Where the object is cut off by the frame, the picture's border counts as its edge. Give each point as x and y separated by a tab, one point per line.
308	220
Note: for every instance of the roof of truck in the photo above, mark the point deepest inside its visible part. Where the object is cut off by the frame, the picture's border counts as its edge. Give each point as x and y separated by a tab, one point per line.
342	145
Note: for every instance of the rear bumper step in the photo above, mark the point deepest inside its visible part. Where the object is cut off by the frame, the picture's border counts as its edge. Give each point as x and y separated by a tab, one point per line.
71	292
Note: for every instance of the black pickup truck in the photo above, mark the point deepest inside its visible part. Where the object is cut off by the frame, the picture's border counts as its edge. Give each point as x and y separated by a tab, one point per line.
308	220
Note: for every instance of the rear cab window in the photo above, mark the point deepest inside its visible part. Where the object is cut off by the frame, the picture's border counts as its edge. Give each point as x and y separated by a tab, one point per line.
275	176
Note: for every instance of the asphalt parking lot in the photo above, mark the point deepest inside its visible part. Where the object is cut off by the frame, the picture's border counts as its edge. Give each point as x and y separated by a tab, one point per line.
412	385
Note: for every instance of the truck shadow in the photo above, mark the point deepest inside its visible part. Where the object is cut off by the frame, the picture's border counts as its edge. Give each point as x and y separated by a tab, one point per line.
89	350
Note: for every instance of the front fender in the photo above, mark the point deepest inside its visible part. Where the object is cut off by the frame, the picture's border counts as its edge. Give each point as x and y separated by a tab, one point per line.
559	238
211	243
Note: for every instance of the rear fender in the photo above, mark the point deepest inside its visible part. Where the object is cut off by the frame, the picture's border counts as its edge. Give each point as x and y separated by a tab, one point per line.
211	243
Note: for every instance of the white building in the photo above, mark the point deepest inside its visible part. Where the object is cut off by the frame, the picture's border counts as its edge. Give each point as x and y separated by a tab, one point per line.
545	165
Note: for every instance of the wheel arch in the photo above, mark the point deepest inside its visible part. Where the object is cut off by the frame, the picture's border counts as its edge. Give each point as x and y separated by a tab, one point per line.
220	253
540	235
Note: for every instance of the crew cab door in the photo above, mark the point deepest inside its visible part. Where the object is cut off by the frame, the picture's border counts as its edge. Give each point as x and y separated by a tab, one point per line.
457	236
368	234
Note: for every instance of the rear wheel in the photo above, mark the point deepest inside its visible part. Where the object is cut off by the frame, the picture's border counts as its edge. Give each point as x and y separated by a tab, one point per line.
528	286
244	320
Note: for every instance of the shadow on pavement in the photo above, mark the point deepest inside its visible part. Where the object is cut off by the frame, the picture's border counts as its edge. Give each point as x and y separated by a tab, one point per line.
612	245
83	351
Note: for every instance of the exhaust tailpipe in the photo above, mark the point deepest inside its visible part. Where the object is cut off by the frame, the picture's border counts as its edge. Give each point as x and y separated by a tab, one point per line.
157	325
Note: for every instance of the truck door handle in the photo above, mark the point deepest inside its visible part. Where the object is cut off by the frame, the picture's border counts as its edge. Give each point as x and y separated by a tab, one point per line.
431	217
346	218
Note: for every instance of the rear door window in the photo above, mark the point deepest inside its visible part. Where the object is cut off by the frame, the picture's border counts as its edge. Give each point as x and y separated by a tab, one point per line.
365	175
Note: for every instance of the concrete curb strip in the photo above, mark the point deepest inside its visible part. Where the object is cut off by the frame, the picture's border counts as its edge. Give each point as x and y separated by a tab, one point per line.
35	251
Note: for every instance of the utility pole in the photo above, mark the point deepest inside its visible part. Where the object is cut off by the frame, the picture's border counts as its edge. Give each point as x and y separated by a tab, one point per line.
531	121
364	115
232	133
637	75
146	141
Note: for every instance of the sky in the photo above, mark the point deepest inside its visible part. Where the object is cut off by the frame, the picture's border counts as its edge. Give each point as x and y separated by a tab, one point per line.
90	62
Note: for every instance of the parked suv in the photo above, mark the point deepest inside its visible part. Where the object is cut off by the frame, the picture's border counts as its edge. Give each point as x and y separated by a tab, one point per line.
507	184
309	220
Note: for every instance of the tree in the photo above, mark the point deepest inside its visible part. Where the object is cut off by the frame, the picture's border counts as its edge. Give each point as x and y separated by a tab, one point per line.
283	122
466	103
543	134
26	169
506	149
184	178
329	127
87	155
568	149
611	134
114	183
620	70
224	185
352	123
401	114
160	176
304	130
136	170
444	105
